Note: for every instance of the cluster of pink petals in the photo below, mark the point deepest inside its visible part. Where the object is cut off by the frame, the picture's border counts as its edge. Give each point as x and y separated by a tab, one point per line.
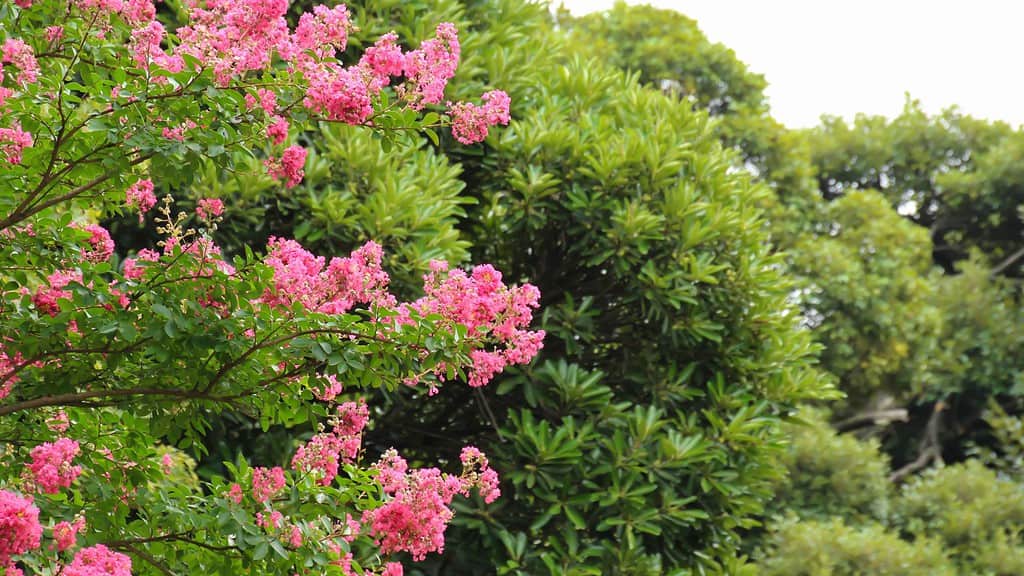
477	472
15	51
429	68
415	517
209	208
46	297
140	196
100	242
323	32
8	364
132	270
470	123
235	36
146	50
325	451
270	521
277	131
484	304
289	167
13	141
65	533
234	494
417	514
266	483
382	61
51	465
98	560
332	289
20	530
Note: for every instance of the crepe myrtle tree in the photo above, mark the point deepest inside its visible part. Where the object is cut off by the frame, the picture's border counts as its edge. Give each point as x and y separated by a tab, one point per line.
109	364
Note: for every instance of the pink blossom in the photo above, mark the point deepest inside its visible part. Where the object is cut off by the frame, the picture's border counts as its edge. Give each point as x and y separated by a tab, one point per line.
17	52
470	123
46	297
268	100
278	130
431	66
54	33
59	422
100	242
8	364
23	3
270	522
340	94
392	569
209	208
233	38
323	32
289	166
234	494
482	303
352	418
321	455
329	391
20	531
266	483
178	132
295	539
66	533
383	60
13	141
140	196
137	12
98	560
345	282
51	466
416	516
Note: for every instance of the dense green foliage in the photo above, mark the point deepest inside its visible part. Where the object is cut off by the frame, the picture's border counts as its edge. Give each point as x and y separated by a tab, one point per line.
768	351
647	437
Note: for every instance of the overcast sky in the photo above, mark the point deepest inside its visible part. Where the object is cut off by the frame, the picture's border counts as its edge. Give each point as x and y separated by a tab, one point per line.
843	57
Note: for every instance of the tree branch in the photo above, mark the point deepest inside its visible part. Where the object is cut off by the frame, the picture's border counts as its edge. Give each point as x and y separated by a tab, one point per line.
876	418
930	448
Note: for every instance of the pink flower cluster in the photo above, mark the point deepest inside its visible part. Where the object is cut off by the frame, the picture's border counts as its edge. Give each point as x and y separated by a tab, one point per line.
431	66
470	123
100	242
289	166
417	514
51	465
325	451
8	364
17	52
477	472
141	197
266	483
20	530
236	36
65	533
46	297
146	48
482	303
13	140
345	282
98	560
209	208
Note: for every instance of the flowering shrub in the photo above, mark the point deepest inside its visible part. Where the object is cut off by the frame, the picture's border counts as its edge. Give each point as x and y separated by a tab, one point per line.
108	360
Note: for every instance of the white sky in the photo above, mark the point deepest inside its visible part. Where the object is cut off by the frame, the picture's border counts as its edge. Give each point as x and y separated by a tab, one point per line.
843	57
